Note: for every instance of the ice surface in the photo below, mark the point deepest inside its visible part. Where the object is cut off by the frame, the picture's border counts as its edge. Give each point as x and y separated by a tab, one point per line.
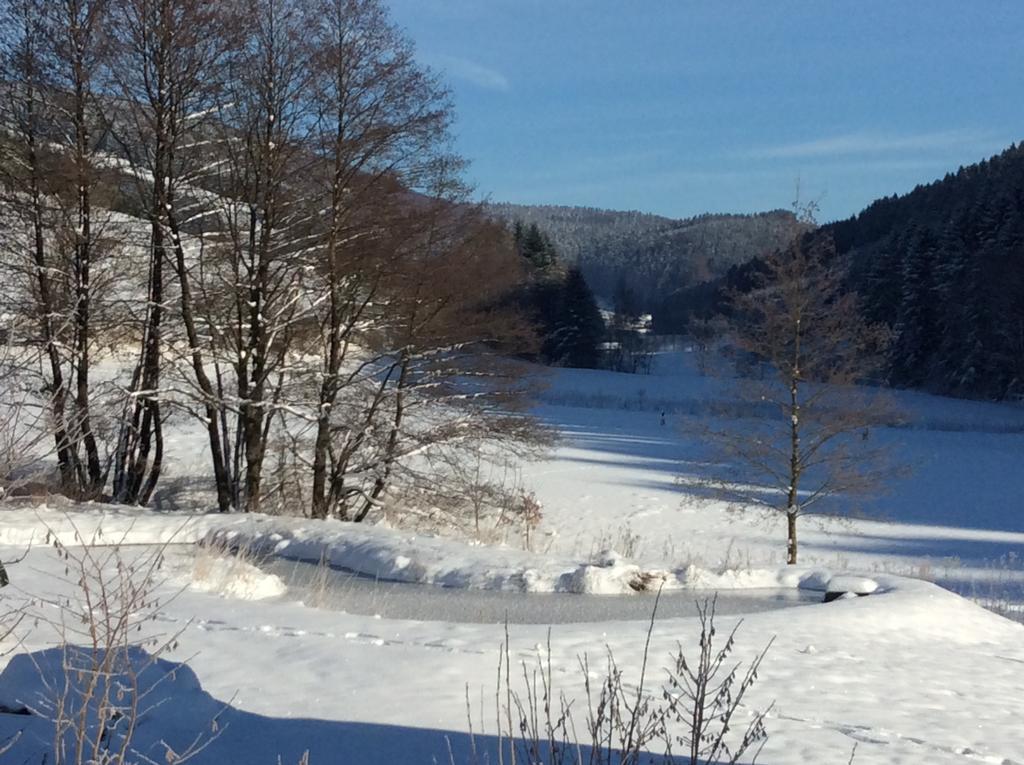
340	590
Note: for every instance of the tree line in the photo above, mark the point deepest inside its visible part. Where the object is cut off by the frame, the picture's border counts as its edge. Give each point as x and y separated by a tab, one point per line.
943	267
560	300
247	215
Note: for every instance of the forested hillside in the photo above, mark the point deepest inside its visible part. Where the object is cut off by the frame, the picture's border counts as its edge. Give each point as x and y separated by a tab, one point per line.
943	266
652	255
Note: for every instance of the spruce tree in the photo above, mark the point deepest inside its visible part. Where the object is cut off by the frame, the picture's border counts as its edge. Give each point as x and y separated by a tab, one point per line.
916	325
536	247
580	328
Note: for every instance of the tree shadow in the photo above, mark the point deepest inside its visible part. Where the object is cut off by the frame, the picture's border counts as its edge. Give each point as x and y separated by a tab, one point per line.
182	493
179	713
956	480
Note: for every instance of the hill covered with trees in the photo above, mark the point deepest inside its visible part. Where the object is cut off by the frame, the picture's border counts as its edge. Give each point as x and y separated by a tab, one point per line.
651	255
943	267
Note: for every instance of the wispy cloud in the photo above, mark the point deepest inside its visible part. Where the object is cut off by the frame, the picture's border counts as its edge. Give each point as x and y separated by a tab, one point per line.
869	143
470	71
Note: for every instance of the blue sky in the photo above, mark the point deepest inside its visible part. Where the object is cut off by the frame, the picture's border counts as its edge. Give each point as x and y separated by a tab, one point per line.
680	107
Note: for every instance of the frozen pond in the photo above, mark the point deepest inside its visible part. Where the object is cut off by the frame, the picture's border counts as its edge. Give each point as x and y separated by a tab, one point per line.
340	590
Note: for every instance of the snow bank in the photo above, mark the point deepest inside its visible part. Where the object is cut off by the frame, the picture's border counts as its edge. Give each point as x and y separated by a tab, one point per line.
234	578
384	553
854	585
611	575
388	554
101	524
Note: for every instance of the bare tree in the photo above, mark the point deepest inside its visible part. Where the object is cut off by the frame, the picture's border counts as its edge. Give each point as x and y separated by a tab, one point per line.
380	118
78	43
451	331
58	251
25	166
251	287
804	433
169	55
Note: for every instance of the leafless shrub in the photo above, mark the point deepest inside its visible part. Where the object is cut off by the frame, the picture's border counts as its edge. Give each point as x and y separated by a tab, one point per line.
229	569
472	495
24	424
320	584
622	540
528	511
705	696
287	492
628	722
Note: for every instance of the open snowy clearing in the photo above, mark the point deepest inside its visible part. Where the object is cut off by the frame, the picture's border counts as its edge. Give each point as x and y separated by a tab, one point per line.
953	512
910	674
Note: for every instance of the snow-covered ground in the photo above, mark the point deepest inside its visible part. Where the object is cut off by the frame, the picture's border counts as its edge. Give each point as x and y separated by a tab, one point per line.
952	513
911	674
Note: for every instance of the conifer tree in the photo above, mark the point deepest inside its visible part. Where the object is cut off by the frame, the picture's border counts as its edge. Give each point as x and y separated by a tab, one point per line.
535	246
581	327
916	324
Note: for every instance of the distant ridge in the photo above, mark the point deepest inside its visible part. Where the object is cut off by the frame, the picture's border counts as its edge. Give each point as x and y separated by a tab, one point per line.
654	255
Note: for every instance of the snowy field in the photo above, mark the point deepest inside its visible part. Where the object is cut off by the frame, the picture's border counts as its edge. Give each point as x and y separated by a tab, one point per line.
910	674
953	512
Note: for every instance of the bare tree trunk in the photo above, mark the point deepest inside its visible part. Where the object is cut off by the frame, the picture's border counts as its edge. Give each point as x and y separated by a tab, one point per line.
335	320
170	51
211	404
24	71
141	432
391	450
795	462
135	478
328	396
80	33
67	458
253	366
791	538
83	421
